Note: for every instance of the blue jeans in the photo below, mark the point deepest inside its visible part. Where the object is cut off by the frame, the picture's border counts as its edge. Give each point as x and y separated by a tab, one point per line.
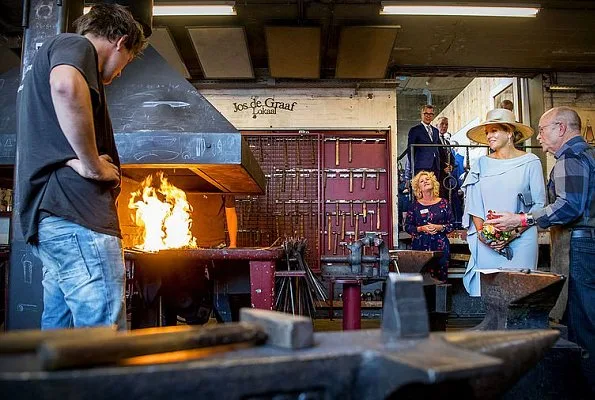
581	301
83	276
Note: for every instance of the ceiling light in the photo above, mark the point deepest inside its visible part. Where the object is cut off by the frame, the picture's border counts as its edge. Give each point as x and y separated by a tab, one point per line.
215	8
390	8
571	88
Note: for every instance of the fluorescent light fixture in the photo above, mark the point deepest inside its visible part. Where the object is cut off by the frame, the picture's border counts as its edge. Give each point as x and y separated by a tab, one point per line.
568	88
205	9
215	8
389	8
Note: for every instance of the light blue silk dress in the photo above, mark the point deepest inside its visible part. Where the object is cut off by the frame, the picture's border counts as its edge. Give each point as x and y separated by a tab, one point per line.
494	184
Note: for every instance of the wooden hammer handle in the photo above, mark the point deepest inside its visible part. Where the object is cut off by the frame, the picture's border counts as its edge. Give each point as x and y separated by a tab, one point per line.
83	352
28	340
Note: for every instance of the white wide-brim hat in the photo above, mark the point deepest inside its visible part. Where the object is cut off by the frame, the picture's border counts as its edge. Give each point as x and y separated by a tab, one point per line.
499	116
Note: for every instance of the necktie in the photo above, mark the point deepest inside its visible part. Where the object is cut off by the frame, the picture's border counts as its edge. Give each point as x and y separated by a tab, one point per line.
429	128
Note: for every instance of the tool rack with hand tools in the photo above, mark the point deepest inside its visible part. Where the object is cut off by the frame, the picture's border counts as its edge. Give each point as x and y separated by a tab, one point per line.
355	190
322	186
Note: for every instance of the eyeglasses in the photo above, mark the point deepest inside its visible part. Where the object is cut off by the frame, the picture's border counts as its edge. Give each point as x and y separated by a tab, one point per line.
541	128
428	113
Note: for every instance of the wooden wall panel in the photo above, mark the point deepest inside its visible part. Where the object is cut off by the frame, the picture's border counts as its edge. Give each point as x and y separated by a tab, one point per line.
222	52
294	52
364	52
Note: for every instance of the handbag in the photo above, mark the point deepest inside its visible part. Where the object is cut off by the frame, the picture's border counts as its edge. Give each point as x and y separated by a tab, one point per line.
525	202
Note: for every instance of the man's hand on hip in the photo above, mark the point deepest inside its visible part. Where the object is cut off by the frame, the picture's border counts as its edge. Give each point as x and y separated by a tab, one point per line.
104	170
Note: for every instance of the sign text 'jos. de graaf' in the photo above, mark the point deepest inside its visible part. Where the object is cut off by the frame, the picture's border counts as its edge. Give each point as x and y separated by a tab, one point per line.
261	107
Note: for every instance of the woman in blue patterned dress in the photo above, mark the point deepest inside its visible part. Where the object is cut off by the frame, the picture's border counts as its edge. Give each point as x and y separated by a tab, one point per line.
428	221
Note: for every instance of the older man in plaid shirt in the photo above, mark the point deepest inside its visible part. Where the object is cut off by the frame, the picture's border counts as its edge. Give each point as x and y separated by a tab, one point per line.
572	206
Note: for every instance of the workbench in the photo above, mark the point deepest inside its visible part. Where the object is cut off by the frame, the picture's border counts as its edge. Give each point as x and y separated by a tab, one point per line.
261	261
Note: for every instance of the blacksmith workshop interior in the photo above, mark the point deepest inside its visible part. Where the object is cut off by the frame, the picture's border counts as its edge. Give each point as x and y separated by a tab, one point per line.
299	118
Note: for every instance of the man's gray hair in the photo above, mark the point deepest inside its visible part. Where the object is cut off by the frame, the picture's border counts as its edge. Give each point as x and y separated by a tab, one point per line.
569	117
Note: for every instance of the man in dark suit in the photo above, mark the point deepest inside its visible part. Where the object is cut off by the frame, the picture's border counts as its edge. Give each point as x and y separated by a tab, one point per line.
446	156
449	183
424	158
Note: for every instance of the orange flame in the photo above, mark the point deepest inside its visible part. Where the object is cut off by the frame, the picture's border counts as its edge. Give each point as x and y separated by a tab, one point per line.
163	214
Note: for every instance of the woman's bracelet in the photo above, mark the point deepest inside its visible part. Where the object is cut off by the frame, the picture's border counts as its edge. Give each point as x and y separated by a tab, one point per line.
524	220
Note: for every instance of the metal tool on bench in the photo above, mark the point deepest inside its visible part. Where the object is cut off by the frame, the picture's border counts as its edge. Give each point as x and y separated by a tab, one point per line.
357	265
402	359
350	270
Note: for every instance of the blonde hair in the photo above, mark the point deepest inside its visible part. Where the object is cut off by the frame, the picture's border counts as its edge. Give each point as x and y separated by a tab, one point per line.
432	177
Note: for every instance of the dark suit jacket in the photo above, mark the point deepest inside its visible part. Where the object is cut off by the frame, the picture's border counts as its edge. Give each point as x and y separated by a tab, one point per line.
447	156
425	158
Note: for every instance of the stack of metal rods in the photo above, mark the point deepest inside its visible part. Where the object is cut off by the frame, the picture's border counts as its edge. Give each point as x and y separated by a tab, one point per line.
297	286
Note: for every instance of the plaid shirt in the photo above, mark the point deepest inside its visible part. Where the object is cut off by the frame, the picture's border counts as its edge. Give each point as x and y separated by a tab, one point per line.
570	189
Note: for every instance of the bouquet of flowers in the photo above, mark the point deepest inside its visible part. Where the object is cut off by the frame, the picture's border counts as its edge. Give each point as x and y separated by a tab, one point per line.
490	234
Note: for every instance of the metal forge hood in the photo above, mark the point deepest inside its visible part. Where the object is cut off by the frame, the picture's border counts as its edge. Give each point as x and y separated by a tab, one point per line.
161	122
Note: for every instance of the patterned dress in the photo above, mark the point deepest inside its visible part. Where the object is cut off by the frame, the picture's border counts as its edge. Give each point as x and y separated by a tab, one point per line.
438	213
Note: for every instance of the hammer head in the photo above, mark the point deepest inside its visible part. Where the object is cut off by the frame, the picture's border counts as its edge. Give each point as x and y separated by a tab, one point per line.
283	330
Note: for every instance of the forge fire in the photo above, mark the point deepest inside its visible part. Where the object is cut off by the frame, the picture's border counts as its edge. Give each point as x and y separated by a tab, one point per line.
162	213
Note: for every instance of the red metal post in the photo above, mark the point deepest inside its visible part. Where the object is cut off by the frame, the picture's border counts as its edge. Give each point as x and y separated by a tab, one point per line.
352	308
262	284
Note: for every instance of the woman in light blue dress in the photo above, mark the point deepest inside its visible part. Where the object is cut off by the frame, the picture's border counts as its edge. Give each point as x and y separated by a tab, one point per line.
508	179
